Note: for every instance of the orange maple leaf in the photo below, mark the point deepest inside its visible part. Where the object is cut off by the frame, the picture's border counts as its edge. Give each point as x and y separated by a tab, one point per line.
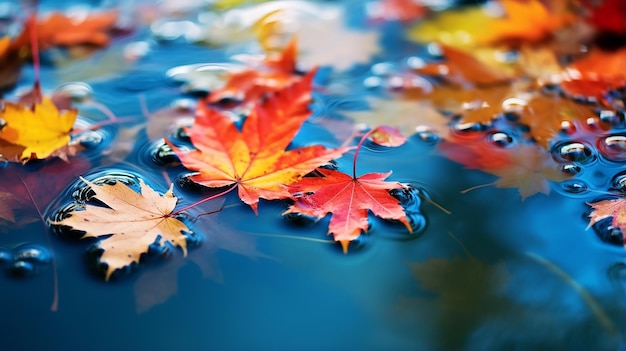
615	208
526	21
58	29
462	68
348	199
252	84
254	159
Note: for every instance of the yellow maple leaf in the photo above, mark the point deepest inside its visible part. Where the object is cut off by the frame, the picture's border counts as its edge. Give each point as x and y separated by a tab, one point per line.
135	220
42	131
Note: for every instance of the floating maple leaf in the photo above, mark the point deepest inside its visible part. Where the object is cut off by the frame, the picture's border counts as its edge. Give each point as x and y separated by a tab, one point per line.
348	197
58	29
511	22
461	67
250	85
403	114
255	159
527	167
38	133
134	220
616	209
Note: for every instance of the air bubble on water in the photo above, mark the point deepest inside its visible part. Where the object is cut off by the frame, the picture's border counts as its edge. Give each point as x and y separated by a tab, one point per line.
611	118
384	69
574	186
573	151
415	62
92	141
567	127
372	82
6	256
77	91
606	232
571	169
468	128
619	182
22	269
500	139
35	254
426	134
613	147
514	105
162	154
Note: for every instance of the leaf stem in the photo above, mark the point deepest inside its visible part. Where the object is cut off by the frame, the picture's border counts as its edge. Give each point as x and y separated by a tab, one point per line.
55	299
34	45
358	148
202	201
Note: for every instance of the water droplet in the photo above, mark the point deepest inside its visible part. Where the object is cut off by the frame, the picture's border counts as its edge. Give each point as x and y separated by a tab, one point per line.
572	151
5	256
607	233
500	139
612	118
22	269
574	186
384	69
37	255
619	182
90	139
571	169
468	128
567	128
77	91
372	82
613	147
162	154
426	134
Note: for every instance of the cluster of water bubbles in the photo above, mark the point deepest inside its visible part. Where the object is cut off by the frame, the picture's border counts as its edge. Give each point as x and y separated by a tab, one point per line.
24	260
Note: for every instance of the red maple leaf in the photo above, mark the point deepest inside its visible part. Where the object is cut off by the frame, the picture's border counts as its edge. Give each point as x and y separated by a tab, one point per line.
349	198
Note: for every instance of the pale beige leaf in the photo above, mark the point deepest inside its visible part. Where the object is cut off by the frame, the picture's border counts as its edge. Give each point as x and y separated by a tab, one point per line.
134	220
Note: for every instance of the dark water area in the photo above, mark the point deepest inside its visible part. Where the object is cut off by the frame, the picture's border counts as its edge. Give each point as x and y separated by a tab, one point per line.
498	273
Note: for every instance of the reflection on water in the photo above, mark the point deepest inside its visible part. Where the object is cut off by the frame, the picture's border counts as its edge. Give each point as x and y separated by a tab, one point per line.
498	273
